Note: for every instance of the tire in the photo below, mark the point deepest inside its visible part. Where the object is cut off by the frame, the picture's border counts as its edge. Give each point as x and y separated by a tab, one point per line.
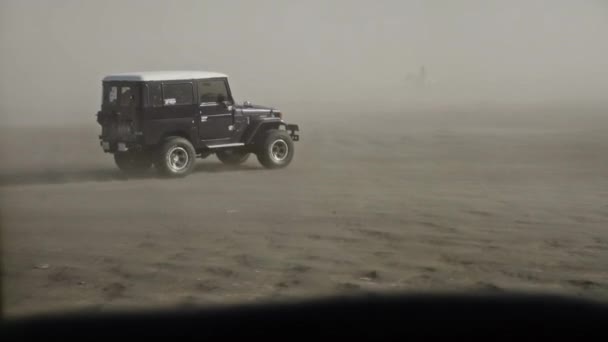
133	162
176	157
275	149
232	157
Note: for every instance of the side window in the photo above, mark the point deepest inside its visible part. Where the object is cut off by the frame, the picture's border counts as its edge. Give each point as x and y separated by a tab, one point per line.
212	91
177	94
155	94
112	95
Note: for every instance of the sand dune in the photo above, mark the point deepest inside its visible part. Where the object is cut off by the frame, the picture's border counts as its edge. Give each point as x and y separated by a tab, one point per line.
483	201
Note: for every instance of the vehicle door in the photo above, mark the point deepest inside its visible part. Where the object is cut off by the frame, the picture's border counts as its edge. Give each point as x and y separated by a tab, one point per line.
216	120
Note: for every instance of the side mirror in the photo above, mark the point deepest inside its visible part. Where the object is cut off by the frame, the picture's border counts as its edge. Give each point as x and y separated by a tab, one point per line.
246	104
227	105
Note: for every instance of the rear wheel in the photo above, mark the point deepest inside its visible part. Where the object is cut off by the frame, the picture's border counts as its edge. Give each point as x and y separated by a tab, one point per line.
232	157
176	157
275	149
133	162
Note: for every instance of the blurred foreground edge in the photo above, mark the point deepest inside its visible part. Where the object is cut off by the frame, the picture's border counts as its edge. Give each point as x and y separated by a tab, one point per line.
367	317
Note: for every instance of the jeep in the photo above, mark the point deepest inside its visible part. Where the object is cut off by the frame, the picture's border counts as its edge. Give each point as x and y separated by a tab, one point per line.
168	118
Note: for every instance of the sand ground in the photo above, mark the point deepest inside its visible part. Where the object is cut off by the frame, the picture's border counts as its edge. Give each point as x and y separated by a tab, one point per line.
484	200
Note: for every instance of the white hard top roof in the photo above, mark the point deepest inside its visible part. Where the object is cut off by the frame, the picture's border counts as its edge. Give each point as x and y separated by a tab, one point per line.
162	75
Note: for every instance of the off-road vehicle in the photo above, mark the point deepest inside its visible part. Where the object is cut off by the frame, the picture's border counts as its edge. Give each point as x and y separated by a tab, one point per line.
168	118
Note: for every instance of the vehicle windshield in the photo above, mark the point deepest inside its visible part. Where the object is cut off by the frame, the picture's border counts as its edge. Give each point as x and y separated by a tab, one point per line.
355	148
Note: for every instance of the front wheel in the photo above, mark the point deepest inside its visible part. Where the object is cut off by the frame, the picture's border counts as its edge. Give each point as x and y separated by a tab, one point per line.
132	162
275	150
232	157
176	157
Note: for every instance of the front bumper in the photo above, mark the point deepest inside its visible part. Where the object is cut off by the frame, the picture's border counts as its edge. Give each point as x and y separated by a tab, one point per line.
294	131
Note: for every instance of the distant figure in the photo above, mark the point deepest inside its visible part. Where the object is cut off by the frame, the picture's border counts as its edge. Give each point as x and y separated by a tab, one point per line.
419	79
422	77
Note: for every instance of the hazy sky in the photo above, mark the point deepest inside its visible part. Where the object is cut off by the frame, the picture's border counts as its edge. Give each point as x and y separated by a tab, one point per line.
54	53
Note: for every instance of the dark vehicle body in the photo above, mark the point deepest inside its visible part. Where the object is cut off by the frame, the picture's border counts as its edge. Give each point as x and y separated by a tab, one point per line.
141	110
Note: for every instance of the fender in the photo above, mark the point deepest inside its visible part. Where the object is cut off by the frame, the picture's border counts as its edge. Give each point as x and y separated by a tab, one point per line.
261	125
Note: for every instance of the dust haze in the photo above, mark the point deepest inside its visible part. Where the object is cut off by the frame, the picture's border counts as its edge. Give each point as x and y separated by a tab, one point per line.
445	146
346	53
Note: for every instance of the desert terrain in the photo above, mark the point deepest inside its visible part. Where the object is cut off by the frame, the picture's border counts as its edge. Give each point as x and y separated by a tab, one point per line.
498	199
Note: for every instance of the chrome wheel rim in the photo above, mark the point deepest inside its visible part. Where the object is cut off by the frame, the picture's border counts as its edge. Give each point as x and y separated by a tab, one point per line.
279	150
177	158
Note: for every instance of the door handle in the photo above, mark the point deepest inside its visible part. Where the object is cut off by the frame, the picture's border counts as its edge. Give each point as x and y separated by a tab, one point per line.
203	119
